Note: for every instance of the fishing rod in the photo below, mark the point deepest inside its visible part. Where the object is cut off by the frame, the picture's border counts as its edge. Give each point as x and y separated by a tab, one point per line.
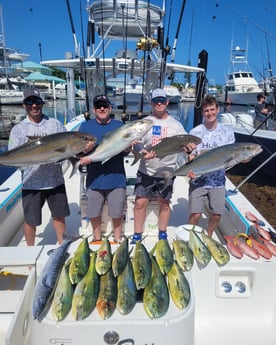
83	70
77	48
176	36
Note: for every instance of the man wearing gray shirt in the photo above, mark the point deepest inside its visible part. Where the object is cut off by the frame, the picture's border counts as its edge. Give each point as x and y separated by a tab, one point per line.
40	183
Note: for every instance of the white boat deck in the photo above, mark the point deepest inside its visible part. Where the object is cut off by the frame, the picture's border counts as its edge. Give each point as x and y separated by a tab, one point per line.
244	313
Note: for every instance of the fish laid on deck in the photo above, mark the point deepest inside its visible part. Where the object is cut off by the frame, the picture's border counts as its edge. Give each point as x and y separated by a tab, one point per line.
47	149
47	281
223	157
86	292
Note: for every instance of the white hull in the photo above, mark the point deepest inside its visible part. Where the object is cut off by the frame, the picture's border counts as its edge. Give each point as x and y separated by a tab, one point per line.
11	97
243	127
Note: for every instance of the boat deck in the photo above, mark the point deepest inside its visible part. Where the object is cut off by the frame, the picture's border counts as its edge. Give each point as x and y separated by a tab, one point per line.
213	314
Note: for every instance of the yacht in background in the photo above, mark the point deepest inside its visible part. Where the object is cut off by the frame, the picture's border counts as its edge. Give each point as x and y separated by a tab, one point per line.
240	87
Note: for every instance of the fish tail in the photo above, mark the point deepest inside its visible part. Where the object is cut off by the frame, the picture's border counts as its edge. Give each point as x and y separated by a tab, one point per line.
137	157
166	176
75	165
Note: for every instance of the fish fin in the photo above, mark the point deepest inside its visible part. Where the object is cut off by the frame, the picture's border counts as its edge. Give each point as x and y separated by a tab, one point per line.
105	160
137	157
33	138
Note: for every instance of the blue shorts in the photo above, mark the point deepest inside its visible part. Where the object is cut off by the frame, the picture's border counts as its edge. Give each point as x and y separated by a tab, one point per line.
116	199
199	195
153	187
33	201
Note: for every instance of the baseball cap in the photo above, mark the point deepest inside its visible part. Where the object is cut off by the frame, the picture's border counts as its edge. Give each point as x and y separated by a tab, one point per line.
101	100
158	93
31	92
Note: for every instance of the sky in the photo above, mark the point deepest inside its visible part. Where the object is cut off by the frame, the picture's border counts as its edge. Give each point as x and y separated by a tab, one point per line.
208	25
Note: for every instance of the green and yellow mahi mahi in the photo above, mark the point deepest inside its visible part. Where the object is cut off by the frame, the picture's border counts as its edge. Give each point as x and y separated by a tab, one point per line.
106	302
127	293
80	262
200	251
164	256
156	295
218	251
183	255
141	266
104	257
63	295
178	286
86	292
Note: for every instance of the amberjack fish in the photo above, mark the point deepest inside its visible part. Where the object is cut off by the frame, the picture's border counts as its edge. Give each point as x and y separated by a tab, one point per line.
46	283
120	139
46	149
223	157
170	145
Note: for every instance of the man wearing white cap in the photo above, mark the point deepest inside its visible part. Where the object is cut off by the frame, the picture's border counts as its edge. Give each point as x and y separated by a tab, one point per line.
150	183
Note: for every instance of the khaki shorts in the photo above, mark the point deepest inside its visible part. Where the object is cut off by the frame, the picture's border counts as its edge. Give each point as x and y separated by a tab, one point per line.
214	196
116	199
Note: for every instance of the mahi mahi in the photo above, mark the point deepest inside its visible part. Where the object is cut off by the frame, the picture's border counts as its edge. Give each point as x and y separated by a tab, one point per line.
200	250
178	286
86	292
63	295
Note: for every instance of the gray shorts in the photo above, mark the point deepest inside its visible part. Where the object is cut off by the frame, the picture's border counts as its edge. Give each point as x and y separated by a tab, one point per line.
33	201
116	199
153	187
214	196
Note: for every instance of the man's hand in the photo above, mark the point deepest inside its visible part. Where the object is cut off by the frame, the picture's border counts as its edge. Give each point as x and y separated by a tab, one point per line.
85	160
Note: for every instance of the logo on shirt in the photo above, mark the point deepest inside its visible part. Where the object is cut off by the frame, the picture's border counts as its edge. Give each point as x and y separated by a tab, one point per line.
158	133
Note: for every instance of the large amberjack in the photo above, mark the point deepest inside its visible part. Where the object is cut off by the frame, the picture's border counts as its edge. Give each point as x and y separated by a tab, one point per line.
120	139
51	148
223	157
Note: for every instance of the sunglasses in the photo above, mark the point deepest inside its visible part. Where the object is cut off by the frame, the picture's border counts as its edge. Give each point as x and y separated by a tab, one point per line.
161	100
37	101
99	106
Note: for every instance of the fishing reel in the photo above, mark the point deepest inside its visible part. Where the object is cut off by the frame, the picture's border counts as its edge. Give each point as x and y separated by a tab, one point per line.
147	44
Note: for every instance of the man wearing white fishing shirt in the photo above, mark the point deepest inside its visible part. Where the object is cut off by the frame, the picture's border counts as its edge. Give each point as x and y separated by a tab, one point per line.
210	186
40	183
150	181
